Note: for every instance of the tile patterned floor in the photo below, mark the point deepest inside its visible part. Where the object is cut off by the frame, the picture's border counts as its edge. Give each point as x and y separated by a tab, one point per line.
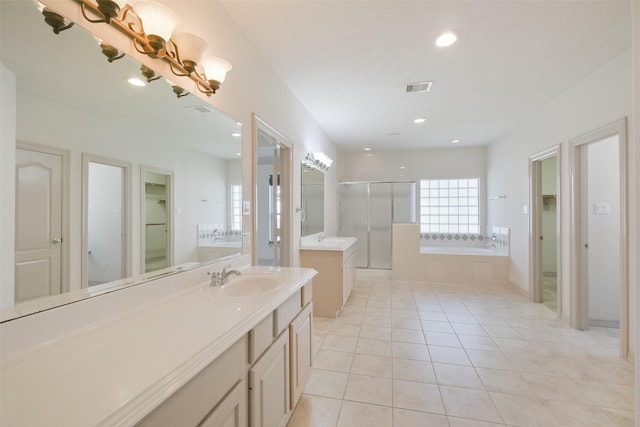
413	354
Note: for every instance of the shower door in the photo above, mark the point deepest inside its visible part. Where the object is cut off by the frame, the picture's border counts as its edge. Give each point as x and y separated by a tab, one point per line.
380	216
367	211
354	218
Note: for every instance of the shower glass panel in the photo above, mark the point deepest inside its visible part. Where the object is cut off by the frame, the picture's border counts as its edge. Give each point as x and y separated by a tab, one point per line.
367	211
404	202
380	214
354	218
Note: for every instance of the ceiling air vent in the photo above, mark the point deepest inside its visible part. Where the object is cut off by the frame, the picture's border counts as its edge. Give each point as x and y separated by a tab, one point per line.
418	87
199	108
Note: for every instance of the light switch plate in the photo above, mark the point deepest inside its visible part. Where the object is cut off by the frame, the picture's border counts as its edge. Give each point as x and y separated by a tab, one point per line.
246	207
601	208
525	209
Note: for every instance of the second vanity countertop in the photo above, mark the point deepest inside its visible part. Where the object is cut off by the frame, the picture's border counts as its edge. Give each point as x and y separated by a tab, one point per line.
327	243
116	371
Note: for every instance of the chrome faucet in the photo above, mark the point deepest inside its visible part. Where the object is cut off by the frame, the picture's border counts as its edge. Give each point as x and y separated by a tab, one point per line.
492	240
222	277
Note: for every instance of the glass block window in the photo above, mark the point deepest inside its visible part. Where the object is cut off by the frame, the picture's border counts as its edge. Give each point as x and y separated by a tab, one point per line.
450	205
236	207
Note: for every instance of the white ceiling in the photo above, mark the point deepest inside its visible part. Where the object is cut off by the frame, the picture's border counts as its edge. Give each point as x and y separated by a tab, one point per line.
348	61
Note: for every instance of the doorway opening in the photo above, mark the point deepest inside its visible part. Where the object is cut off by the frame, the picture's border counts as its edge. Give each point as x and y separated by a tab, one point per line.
272	196
157	217
545	232
106	220
600	293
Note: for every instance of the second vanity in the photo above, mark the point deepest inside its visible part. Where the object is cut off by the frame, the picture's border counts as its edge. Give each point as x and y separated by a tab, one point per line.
334	260
178	352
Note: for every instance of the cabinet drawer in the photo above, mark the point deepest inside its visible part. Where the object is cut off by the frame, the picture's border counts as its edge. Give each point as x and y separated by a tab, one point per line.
307	293
260	338
287	311
194	401
346	254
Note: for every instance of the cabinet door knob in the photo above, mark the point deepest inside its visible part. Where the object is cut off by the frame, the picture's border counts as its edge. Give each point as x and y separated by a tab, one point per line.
57	241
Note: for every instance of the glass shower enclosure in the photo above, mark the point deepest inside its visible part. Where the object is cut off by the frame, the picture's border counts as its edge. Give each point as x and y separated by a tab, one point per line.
367	211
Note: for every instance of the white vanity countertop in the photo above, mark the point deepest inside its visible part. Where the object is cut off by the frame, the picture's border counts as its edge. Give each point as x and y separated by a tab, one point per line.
116	371
327	243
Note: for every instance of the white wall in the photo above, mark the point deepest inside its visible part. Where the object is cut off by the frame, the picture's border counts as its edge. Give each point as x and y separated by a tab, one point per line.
599	99
603	170
7	182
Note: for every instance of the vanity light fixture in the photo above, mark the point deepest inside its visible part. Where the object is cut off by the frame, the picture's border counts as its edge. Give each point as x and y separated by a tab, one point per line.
189	50
318	160
150	26
215	70
180	92
108	8
56	21
158	22
446	38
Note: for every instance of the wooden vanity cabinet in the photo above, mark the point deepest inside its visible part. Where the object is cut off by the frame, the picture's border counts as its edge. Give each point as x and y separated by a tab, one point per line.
214	397
300	342
257	382
335	280
269	386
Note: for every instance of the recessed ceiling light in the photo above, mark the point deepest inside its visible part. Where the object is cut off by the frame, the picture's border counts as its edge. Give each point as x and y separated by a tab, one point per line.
367	149
419	120
236	134
134	81
238	154
446	39
402	167
455	141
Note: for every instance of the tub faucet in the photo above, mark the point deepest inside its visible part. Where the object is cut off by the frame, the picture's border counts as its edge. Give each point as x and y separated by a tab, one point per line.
222	277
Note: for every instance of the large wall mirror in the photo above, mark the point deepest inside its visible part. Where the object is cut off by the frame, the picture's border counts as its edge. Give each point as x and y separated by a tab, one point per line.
312	199
180	206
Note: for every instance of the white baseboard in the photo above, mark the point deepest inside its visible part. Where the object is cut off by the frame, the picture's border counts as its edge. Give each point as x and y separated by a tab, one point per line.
599	323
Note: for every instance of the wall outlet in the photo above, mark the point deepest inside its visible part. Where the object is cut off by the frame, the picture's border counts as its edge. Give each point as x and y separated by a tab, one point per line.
525	209
246	207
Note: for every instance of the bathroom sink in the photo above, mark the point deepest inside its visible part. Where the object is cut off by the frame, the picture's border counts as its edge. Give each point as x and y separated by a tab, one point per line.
250	284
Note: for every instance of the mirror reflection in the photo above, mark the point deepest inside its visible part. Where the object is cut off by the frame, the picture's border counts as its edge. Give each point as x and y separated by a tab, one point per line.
178	204
312	203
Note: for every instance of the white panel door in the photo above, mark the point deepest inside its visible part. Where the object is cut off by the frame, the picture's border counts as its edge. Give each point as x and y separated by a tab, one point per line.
38	224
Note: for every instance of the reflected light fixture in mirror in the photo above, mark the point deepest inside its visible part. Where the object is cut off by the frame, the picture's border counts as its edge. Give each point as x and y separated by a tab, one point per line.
56	21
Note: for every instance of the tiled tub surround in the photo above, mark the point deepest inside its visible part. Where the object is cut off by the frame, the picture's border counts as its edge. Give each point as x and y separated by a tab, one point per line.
445	262
112	360
411	354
